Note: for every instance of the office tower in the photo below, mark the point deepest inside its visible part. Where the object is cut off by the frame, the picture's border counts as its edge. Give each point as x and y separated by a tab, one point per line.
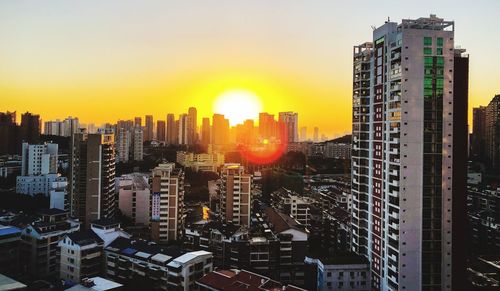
478	132
137	144
267	126
167	203
409	155
205	131
316	134
138	121
192	126
290	122
30	127
160	130
92	177
183	129
38	169
492	134
220	130
149	128
303	134
134	197
235	194
171	129
123	139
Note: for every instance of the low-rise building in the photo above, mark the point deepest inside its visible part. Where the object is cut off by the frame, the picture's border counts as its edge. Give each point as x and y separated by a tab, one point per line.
134	197
10	241
201	162
148	266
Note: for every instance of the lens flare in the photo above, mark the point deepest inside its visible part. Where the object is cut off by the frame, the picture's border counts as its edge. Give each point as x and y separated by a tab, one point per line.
267	151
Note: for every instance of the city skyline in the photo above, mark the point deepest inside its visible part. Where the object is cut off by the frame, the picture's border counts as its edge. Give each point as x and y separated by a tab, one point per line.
278	52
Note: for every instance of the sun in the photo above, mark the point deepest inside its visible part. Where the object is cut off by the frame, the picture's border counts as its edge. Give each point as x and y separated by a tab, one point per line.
238	105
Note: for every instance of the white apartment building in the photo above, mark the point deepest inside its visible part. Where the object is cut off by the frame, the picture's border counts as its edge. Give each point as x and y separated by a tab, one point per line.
235	194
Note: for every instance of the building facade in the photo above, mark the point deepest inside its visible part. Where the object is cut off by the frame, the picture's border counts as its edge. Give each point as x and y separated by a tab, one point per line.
235	194
134	197
409	155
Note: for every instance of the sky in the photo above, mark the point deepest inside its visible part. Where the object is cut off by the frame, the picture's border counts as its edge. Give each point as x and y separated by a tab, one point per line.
107	60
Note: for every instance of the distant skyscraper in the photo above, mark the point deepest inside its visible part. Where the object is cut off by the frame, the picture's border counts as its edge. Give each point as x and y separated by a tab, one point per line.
205	131
183	129
171	129
192	125
316	134
236	192
220	130
30	127
149	128
160	130
9	133
478	132
167	203
92	177
409	155
123	140
137	144
303	133
492	134
290	122
138	121
267	126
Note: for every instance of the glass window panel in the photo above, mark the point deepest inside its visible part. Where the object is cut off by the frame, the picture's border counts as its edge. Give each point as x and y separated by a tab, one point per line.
427	41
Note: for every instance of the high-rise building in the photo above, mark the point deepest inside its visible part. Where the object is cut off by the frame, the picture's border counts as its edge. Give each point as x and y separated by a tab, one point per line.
268	127
192	125
123	140
134	197
92	177
149	128
167	203
409	155
236	190
290	122
303	134
160	130
171	129
205	131
316	134
220	130
30	127
492	134
183	129
478	132
9	133
138	121
137	144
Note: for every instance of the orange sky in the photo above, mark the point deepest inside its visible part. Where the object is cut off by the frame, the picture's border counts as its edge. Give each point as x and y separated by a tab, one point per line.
103	61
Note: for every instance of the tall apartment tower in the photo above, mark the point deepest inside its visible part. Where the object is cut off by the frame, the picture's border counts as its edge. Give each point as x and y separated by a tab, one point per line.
30	127
205	131
192	126
137	121
183	129
478	132
160	130
167	203
92	177
290	121
220	130
236	190
171	129
492	134
39	159
137	144
123	139
149	128
410	90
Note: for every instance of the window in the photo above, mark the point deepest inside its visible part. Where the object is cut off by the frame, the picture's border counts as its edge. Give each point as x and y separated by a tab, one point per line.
428	61
439	51
428	51
439	41
427	41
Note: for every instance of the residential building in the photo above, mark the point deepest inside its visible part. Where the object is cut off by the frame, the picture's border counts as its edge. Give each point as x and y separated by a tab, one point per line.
67	127
149	128
96	284
160	130
137	144
268	126
30	128
134	197
10	242
192	126
9	133
171	129
59	194
492	134
303	134
220	130
235	194
167	203
341	272
478	146
138	121
39	245
240	280
123	145
316	134
148	266
484	219
205	131
337	150
92	177
200	162
410	91
7	283
183	129
293	204
290	122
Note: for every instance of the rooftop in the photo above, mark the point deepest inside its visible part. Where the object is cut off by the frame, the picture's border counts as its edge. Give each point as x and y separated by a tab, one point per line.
8	230
7	283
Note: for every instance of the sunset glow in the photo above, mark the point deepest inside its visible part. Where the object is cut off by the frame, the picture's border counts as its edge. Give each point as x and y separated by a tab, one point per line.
238	106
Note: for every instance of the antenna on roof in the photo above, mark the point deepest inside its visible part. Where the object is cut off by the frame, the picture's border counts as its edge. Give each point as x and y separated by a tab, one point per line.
373	27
